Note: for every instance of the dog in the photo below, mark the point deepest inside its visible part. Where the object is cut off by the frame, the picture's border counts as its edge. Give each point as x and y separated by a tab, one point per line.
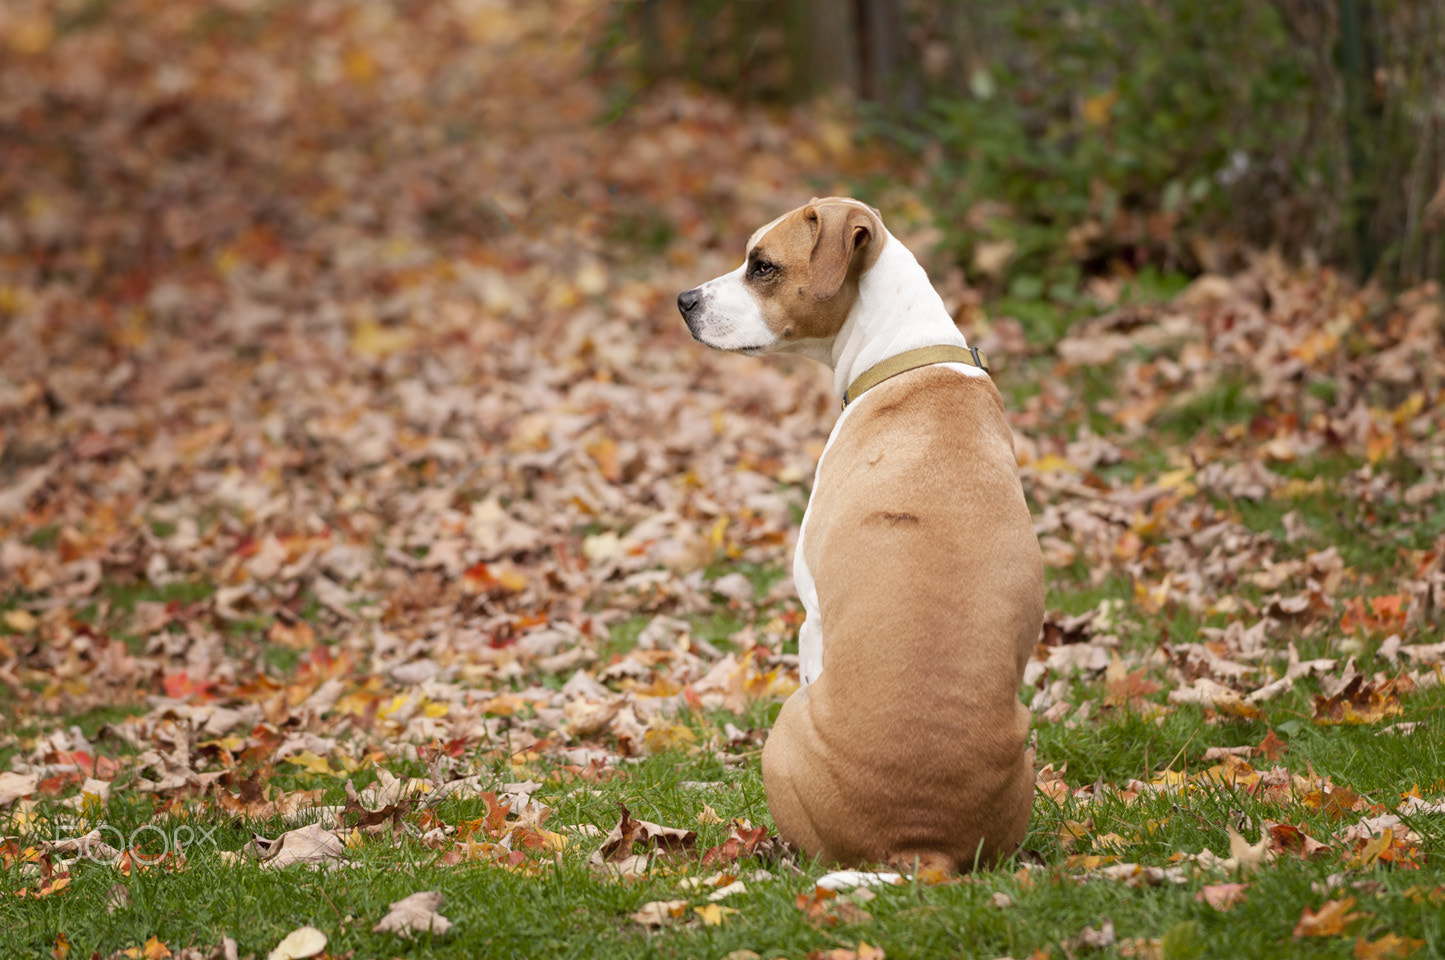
917	563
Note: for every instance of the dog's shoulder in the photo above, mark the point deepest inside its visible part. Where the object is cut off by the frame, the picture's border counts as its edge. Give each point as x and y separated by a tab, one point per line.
924	408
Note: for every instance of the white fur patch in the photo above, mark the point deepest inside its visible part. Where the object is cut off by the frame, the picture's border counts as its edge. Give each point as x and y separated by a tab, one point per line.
729	318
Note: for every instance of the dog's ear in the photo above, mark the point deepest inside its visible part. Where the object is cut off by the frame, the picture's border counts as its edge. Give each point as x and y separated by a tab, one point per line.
840	231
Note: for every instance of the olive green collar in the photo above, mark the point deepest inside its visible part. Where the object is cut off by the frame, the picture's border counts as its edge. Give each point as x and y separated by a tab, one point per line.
911	360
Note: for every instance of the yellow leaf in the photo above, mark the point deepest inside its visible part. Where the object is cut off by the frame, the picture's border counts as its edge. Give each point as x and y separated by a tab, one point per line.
1096	109
392	705
21	621
715	535
359	65
1410	409
713	914
1178	480
1053	463
311	762
152	950
373	341
227	744
665	736
1071	832
1371	851
31	33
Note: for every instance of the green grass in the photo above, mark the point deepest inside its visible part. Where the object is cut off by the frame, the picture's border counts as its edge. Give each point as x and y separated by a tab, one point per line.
566	911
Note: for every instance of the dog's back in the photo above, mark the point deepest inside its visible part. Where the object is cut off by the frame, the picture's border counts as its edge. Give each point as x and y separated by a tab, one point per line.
930	583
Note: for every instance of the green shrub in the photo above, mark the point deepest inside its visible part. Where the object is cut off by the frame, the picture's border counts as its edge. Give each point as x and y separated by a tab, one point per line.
1095	135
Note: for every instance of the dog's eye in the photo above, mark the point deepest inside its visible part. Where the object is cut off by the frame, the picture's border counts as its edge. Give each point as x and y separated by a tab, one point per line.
763	268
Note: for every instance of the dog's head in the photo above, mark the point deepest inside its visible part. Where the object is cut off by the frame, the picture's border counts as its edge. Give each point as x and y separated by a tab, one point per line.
797	283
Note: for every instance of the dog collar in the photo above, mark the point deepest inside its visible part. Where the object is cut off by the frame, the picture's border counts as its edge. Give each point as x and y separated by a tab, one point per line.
911	360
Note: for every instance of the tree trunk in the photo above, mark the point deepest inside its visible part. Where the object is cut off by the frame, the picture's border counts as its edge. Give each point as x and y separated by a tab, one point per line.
826	35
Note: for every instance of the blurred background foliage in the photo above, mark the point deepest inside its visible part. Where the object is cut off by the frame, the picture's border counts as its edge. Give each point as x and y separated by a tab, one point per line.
1069	140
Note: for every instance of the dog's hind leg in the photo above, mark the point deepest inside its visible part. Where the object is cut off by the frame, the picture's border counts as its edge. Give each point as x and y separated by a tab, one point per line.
781	777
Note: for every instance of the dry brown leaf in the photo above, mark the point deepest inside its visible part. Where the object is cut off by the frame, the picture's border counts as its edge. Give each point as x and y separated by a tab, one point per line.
311	844
1359	702
659	913
416	913
632	837
299	944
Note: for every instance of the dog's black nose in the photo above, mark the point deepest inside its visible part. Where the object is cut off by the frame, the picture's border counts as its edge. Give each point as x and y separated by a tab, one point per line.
688	299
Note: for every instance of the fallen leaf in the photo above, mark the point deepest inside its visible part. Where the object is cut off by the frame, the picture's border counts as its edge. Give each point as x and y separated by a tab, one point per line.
1222	896
659	913
713	914
1272	747
153	949
1358	703
631	835
1387	947
414	914
1331	920
309	844
861	952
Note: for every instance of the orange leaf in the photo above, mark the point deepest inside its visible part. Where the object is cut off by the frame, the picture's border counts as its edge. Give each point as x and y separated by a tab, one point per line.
1287	838
1386	947
1272	747
1330	921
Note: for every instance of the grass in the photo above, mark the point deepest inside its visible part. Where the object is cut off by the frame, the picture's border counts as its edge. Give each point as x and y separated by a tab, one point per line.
566	911
562	909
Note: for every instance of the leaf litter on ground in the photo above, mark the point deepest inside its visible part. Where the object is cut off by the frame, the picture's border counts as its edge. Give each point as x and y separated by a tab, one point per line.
421	423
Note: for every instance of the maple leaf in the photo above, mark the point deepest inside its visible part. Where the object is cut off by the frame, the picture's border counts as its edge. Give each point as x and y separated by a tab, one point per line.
1336	801
712	914
1287	838
1332	919
1272	747
743	841
1376	615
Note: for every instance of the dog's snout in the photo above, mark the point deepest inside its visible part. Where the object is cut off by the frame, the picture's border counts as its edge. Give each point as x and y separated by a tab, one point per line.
688	300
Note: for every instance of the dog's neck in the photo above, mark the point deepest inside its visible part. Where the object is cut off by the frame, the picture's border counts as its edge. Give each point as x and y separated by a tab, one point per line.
897	310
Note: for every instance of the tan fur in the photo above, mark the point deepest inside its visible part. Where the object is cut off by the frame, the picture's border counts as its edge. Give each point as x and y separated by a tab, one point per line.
820	249
911	745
